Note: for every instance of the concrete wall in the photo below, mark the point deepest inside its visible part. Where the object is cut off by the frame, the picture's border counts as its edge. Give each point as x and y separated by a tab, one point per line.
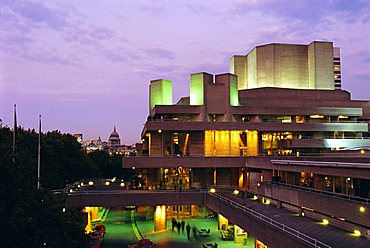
323	204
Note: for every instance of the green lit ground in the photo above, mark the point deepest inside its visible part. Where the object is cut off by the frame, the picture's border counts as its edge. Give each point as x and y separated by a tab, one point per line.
120	233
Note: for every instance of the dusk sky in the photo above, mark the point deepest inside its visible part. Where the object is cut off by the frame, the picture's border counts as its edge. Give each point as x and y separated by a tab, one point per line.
85	65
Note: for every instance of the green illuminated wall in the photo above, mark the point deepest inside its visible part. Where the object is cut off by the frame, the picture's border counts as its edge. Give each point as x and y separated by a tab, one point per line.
234	96
160	92
197	89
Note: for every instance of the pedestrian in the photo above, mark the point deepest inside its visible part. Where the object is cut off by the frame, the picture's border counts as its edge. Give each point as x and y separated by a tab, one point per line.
178	226
174	223
188	230
194	231
182	226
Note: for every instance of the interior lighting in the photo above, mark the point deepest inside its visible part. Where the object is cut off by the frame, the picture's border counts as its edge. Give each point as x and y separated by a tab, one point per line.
212	190
343	117
91	183
325	222
316	116
362	209
236	192
107	183
357	233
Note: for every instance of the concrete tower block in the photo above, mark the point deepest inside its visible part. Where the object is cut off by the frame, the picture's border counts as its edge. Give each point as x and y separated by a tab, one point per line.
320	65
160	93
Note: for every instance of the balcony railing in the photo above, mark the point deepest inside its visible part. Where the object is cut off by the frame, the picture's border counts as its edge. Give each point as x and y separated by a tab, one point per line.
341	196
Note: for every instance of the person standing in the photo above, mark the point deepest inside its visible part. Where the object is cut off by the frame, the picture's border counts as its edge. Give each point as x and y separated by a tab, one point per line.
178	226
182	226
194	231
174	223
188	230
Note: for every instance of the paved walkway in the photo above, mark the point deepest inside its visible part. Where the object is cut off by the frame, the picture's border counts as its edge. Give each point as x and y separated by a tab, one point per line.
174	239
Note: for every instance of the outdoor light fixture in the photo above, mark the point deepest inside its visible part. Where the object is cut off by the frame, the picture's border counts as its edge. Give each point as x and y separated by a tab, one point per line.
159	131
254	197
107	183
122	184
91	183
325	221
362	209
212	190
357	232
236	192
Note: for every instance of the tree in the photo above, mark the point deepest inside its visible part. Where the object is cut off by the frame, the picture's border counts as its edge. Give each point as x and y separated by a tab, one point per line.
30	217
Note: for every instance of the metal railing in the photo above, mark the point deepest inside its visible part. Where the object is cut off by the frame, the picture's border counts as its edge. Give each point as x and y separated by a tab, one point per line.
307	239
341	196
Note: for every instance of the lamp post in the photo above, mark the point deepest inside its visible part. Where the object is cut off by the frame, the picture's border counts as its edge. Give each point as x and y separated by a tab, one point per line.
39	156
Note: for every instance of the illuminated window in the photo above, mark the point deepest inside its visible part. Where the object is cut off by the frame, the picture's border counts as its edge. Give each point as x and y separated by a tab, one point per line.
299	119
316	116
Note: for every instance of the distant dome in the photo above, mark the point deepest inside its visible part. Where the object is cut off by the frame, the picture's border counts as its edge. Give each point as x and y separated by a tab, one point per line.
114	139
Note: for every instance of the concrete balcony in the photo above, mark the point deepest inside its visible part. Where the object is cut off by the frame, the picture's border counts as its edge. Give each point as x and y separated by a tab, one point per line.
259	126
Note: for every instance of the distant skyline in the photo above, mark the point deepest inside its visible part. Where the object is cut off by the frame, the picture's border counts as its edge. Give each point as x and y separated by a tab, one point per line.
85	66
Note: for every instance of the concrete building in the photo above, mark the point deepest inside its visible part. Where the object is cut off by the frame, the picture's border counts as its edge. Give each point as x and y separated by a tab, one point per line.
313	66
278	117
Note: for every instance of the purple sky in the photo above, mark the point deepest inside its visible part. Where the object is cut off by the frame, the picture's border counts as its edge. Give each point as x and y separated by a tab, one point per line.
86	65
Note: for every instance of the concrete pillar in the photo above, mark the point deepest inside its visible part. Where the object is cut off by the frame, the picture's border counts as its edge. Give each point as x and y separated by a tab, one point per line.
94	213
222	222
160	218
88	227
149	213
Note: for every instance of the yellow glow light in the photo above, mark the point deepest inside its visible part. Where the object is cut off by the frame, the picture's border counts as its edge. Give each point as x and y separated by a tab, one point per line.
343	117
325	222
302	214
91	183
362	151
267	202
348	179
362	209
212	190
107	183
159	131
258	184
316	116
236	192
255	197
357	232
122	184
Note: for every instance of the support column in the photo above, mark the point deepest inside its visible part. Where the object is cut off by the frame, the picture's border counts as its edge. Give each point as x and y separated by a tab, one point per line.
222	222
160	218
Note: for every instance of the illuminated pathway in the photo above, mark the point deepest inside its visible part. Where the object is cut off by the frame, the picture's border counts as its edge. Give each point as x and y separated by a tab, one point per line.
273	226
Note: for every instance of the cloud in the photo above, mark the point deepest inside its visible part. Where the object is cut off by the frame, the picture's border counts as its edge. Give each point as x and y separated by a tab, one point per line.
160	53
155	8
37	13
